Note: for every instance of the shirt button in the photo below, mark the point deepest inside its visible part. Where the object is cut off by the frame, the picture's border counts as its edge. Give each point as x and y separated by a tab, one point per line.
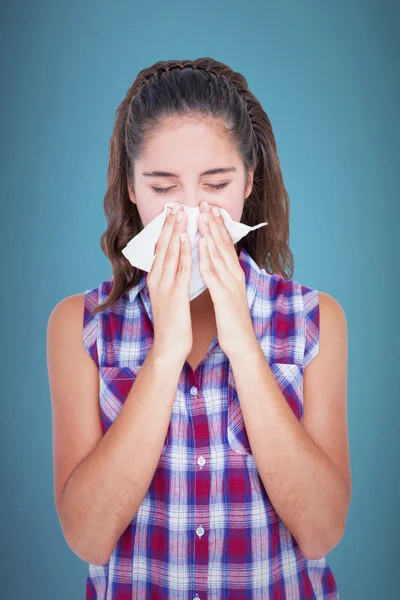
200	531
202	461
193	391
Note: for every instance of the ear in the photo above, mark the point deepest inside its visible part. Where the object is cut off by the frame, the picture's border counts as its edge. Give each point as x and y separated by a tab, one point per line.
249	185
130	192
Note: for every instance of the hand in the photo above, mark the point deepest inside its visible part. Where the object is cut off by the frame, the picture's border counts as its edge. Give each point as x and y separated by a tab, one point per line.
168	282
222	273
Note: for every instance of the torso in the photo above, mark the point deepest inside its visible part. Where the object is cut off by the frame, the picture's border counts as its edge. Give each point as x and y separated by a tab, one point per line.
204	330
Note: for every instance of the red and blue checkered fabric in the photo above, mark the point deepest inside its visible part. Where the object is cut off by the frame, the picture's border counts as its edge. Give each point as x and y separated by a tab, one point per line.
206	529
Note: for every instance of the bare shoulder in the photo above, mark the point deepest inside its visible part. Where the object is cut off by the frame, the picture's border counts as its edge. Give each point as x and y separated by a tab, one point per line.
333	344
64	332
69	310
332	314
325	386
74	389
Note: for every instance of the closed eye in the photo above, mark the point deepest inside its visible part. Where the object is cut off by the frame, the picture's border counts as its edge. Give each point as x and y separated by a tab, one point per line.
219	186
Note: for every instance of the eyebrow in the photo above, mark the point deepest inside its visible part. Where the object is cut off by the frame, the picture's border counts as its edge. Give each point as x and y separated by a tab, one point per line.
208	172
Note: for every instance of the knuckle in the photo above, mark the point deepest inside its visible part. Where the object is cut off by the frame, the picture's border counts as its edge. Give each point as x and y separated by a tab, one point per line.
171	218
209	269
169	253
182	268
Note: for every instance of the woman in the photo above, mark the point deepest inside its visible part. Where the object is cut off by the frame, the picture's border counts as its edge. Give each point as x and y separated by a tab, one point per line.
200	448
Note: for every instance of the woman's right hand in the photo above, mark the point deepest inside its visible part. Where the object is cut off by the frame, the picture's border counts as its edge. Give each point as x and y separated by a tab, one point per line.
168	282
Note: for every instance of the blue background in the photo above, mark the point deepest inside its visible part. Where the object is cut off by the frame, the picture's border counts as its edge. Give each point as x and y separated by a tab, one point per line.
328	78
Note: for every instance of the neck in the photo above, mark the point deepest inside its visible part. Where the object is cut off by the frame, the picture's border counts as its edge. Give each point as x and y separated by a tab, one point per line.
202	305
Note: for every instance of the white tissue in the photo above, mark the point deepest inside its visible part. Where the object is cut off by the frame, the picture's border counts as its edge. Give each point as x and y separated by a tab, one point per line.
140	249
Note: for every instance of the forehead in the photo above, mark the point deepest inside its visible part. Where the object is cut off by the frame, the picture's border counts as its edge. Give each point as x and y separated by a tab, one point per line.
189	144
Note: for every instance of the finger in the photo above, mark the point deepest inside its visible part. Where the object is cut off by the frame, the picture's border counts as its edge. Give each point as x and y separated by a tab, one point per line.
205	266
214	253
162	245
221	244
185	261
172	253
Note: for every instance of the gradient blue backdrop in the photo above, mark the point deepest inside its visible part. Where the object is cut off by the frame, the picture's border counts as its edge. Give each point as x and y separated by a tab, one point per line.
327	75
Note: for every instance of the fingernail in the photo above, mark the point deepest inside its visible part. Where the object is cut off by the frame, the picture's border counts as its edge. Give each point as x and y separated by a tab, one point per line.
168	211
216	211
207	205
179	216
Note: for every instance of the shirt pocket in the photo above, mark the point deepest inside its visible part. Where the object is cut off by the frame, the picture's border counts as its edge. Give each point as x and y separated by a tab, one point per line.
115	384
288	376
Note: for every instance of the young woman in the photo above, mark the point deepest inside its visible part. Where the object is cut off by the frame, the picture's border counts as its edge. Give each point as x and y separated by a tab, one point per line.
200	448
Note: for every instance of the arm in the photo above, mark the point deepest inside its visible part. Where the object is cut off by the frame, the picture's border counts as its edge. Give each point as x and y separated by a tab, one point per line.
101	480
304	467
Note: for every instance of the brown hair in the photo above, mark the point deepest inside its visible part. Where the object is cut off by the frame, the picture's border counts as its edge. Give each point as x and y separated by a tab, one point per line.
199	87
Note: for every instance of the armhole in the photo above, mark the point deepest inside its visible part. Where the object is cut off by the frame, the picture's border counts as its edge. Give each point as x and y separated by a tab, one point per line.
90	325
312	329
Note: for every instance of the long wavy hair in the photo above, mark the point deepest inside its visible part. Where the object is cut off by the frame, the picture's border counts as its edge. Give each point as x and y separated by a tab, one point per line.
189	88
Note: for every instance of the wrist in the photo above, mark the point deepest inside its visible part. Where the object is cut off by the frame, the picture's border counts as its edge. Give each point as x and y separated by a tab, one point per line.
165	359
248	351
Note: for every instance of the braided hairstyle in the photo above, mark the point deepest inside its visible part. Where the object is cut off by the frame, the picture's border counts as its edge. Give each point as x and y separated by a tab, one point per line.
198	88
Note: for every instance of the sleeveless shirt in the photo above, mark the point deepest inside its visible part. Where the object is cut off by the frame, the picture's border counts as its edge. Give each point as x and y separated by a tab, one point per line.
206	528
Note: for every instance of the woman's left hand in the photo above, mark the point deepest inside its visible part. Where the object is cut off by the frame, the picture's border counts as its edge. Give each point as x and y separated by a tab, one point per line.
222	273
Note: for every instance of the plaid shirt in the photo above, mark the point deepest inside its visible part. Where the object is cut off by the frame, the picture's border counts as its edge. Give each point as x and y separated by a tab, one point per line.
206	529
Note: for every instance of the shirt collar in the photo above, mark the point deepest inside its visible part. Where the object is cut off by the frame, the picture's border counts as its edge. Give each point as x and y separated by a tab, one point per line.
250	268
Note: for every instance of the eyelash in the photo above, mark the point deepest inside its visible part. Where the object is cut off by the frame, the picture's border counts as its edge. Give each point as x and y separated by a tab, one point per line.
165	190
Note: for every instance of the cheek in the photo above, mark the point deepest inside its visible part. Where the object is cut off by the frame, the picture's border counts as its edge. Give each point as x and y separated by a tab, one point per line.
233	206
150	210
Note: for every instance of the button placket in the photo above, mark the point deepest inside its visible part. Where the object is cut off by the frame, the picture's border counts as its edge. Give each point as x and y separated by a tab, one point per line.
201	516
